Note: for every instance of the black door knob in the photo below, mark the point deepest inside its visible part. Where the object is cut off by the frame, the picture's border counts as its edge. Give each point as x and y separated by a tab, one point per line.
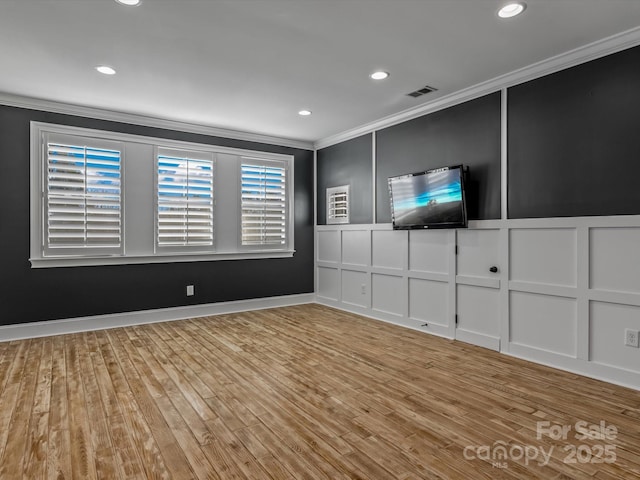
493	269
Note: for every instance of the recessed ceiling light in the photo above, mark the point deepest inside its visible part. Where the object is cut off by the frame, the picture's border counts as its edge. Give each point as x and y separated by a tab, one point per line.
512	9
129	3
379	75
105	70
304	113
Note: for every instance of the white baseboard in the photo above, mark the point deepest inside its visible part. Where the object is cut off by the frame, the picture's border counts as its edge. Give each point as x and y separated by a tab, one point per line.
605	373
102	322
486	341
438	331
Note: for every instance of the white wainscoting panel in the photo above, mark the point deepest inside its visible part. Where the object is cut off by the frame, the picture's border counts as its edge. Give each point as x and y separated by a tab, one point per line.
389	248
478	289
329	246
544	322
388	294
607	326
428	301
478	250
565	289
356	247
478	310
547	256
615	259
329	283
429	250
352	288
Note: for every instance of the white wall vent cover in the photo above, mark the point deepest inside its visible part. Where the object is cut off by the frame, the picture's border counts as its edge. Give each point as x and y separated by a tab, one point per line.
338	204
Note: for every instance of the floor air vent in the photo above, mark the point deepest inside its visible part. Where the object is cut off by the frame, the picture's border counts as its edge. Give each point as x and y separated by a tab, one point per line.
424	90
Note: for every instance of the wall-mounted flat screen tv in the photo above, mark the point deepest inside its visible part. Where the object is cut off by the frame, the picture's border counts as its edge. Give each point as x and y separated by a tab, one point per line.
431	199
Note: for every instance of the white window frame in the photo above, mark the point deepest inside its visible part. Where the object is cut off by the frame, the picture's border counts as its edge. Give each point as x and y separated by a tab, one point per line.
139	199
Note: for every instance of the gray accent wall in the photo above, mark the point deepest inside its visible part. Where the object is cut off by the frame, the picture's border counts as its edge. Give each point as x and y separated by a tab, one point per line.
347	163
29	295
468	134
574	142
573	147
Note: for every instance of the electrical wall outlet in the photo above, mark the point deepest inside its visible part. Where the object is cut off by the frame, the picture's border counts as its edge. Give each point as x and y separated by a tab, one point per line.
631	338
363	289
190	291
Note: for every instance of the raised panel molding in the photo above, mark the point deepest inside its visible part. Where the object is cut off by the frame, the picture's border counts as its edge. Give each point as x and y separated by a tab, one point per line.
356	247
428	301
608	323
565	291
478	310
355	286
478	251
544	322
614	259
329	283
329	246
388	294
545	256
428	251
389	249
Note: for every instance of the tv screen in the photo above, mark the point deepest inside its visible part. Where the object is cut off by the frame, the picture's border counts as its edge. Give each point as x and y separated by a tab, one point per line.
431	199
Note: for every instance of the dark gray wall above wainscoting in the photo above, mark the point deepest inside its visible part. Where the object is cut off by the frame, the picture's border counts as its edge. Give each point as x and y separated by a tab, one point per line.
574	142
28	295
468	133
347	163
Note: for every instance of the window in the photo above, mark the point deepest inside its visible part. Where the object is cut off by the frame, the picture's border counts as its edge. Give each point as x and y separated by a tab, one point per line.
109	198
82	197
338	204
264	203
184	216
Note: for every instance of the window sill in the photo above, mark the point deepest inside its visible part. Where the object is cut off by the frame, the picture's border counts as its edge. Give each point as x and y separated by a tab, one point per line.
54	262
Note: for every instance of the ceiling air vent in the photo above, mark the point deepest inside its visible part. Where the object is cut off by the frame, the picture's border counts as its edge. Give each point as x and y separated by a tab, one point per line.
424	90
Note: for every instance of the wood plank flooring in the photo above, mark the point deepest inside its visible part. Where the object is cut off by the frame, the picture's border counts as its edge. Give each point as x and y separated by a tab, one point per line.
302	392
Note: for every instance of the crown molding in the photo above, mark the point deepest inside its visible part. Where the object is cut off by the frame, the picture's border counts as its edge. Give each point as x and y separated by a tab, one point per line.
592	51
30	103
586	53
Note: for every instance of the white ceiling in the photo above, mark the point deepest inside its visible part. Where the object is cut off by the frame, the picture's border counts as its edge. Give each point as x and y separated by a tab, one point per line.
250	65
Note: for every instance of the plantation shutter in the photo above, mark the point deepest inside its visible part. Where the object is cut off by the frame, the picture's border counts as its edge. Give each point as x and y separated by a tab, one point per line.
185	200
264	203
83	198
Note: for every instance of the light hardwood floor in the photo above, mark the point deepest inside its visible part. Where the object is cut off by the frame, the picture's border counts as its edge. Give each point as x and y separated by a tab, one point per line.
301	392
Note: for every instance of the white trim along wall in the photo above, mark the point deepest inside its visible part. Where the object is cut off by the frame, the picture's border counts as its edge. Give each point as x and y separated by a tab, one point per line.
564	292
592	51
101	322
20	101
